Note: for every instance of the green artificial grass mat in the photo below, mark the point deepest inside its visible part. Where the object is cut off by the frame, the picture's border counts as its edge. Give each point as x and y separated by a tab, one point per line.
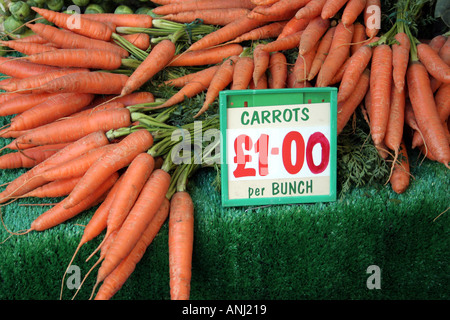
281	252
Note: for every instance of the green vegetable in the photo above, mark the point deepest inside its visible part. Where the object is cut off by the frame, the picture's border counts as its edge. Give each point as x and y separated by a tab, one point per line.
12	25
80	3
55	5
143	10
20	10
94	8
123	9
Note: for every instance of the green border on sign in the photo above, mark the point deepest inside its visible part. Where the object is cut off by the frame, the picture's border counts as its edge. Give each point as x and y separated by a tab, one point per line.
277	97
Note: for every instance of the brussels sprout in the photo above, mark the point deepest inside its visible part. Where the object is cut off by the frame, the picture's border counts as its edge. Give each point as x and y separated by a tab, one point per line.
94	8
40	2
143	10
55	5
123	9
80	3
20	10
12	25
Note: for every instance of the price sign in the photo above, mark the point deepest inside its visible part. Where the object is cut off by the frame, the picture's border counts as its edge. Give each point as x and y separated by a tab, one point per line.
278	146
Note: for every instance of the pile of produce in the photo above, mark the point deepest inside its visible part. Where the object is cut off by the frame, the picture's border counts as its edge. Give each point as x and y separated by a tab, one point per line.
93	99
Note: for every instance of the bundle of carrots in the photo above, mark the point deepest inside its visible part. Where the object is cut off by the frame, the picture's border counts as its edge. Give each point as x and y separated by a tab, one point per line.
84	124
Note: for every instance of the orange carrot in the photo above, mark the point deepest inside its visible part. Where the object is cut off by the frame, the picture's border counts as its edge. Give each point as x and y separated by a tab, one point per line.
371	20
278	70
50	110
243	73
292	26
221	79
27	48
331	7
303	64
339	51
113	282
191	5
122	20
437	42
380	90
270	30
144	210
26	181
321	53
192	88
316	28
425	111
444	51
311	10
208	16
59	214
433	63
206	56
22	69
113	160
53	189
261	60
181	81
394	130
22	102
442	99
66	39
129	100
400	59
353	8
280	7
359	37
160	55
28	158
181	241
77	24
348	107
289	42
400	178
356	66
72	129
80	58
262	83
139	40
226	33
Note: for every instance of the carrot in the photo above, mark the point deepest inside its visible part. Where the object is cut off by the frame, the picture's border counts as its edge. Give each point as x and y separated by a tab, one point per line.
160	55
208	16
313	32
400	59
113	160
205	56
338	54
192	88
380	89
113	282
289	42
27	48
95	226
226	33
311	10
75	167
262	83
303	64
7	96
201	5
359	37
181	239
22	102
444	52
292	26
140	40
25	182
134	178
442	99
59	214
270	30
331	7
353	8
80	58
261	60
347	107
243	73
371	20
400	178
425	111
280	7
21	68
356	66
85	82
53	189
221	79
128	100
96	108
122	20
72	129
321	53
264	2
394	130
278	70
51	110
28	158
144	210
66	39
433	63
27	85
437	42
188	77
33	38
77	24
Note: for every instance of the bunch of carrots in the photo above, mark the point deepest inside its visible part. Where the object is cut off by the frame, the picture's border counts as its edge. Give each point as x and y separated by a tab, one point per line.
84	124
